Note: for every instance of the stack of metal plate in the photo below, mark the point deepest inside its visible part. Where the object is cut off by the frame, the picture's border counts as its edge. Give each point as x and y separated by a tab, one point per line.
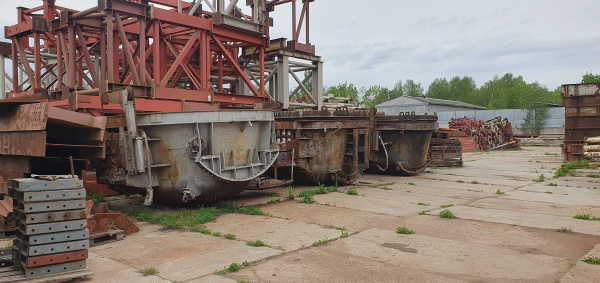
51	226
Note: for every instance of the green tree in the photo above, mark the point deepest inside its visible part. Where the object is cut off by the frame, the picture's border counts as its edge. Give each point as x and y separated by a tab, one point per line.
344	90
590	78
411	88
440	89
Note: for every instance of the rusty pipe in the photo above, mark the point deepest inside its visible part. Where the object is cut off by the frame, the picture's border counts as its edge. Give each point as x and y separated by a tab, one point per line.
84	13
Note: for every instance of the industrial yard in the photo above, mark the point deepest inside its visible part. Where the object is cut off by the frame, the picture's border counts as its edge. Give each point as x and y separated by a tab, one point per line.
508	228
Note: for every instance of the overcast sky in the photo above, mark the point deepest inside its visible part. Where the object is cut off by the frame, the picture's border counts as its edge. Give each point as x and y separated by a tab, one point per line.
374	42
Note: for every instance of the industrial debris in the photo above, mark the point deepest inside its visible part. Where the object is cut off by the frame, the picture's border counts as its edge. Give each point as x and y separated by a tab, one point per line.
591	148
491	134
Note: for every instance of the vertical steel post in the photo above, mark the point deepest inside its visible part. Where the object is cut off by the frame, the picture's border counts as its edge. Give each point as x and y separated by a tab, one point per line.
110	45
59	63
37	61
142	50
156	54
2	78
261	58
72	68
283	80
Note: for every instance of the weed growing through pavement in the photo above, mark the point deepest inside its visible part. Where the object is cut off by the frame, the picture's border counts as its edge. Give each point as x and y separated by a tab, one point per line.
422	203
257	243
344	234
498	192
291	194
447	214
564	230
475	182
320	242
229	236
540	179
424	212
232	268
592	260
404	230
308	199
446	205
352	192
593	176
549	192
460	181
569	168
149	271
411	183
553	185
585	215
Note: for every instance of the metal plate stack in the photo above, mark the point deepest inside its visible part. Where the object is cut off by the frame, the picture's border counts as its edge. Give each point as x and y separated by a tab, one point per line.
51	226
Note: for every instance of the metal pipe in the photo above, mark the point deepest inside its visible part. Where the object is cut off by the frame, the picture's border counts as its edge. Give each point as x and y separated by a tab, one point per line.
84	13
89	91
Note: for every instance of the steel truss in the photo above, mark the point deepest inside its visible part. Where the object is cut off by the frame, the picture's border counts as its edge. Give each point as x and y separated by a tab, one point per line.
173	54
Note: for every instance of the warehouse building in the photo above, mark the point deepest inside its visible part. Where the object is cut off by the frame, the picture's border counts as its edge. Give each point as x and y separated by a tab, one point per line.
422	105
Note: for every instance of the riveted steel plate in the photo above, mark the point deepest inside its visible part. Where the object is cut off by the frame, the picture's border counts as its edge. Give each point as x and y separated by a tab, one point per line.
47	217
51	195
56	258
51	206
50	238
35	229
28	184
54	248
52	269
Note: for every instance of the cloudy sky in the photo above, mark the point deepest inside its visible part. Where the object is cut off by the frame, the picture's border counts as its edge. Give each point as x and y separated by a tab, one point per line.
380	42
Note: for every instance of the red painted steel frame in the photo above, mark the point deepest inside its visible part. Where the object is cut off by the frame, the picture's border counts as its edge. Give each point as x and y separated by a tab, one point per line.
176	59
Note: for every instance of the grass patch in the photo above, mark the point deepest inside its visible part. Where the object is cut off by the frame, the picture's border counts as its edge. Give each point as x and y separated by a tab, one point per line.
424	212
549	192
352	192
97	198
422	203
308	199
251	210
460	181
202	230
149	271
386	188
593	176
586	217
320	242
540	179
564	230
334	227
446	205
569	168
592	260
475	182
232	268
344	234
189	218
229	236
447	214
291	193
404	230
498	192
411	183
257	243
553	185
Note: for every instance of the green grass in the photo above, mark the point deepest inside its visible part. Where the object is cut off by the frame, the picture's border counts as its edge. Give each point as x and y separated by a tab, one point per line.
202	230
475	182
291	194
593	176
460	181
386	188
320	242
422	203
404	230
447	214
232	268
564	230
549	192
344	234
334	227
586	217
257	243
216	234
149	271
229	236
569	168
251	210
540	179
191	218
553	185
308	199
498	192
592	260
352	192
97	198
411	183
446	205
424	212
433	167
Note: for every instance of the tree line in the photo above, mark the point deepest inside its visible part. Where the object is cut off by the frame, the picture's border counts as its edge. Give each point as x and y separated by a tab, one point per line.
501	92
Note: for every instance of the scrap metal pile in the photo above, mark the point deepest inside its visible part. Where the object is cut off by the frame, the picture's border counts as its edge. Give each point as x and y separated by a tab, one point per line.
490	134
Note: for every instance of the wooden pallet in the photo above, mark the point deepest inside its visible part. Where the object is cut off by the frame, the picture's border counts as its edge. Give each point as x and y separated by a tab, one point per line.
108	236
8	274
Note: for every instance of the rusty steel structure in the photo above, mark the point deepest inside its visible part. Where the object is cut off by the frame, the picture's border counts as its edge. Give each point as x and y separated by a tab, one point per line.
185	102
404	143
582	117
